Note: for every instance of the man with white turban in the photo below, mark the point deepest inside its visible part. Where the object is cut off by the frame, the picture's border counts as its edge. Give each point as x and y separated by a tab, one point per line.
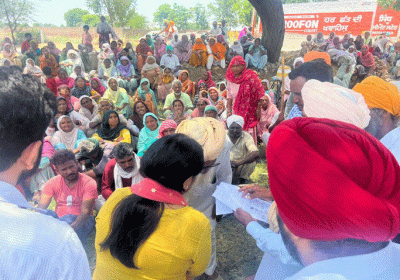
331	101
210	134
244	152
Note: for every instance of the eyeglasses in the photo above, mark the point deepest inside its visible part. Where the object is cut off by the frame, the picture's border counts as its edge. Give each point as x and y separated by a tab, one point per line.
207	168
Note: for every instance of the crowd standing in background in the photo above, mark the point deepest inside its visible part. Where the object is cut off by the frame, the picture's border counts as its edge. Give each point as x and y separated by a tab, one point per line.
126	134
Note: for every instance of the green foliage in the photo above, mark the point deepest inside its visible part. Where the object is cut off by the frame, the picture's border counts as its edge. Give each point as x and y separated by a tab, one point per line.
223	10
74	16
15	13
181	16
162	13
119	11
20	36
138	22
200	19
184	18
37	24
91	20
393	4
244	11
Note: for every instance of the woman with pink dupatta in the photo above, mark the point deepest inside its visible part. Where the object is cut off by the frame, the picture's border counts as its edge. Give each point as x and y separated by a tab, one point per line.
266	110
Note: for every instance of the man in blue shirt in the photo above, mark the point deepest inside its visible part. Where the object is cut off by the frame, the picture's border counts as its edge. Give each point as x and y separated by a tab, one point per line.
44	247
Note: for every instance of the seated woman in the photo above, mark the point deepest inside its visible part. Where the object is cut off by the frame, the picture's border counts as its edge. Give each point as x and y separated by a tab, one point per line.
33	52
167	127
234	50
156	201
160	49
106	52
143	51
53	50
216	100
199	54
221	40
151	71
104	106
98	87
107	70
34	70
78	72
211	112
72	101
132	54
73	60
145	94
118	97
64	79
188	86
47	59
112	130
200	107
90	110
266	110
68	135
139	110
257	56
206	77
270	92
216	54
64	108
64	52
126	75
367	60
81	88
165	84
10	53
222	89
183	50
178	111
148	135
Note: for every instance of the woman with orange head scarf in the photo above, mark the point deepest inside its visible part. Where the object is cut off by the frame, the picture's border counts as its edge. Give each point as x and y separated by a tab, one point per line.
199	54
216	54
187	85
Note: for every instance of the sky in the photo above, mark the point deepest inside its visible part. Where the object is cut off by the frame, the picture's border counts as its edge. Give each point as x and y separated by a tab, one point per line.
52	11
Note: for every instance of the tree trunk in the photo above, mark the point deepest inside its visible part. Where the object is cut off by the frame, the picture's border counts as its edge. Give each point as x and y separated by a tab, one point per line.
273	23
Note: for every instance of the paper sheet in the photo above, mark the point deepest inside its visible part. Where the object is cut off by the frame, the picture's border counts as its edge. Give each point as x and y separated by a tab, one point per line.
228	199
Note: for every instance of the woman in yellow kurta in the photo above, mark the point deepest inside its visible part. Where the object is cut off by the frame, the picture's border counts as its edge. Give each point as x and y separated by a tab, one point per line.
147	231
112	130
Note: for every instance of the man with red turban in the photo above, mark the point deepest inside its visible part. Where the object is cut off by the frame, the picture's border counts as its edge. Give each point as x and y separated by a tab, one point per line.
338	209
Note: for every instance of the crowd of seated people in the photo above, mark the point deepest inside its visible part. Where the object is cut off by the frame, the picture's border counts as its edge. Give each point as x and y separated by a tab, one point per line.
120	112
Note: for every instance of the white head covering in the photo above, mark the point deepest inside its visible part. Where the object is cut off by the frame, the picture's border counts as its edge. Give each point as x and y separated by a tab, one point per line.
85	112
297	60
66	138
235	119
267	82
327	100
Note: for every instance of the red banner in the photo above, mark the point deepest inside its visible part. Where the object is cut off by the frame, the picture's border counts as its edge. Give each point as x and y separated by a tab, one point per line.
386	21
340	23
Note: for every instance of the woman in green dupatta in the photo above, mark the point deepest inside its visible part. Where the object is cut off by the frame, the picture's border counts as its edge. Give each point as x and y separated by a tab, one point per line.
148	134
145	94
118	97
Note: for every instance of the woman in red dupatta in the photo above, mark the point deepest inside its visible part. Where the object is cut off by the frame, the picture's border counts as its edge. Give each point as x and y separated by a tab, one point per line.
250	91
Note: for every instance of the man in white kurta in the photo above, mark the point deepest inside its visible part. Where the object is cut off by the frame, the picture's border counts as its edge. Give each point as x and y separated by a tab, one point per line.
210	133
